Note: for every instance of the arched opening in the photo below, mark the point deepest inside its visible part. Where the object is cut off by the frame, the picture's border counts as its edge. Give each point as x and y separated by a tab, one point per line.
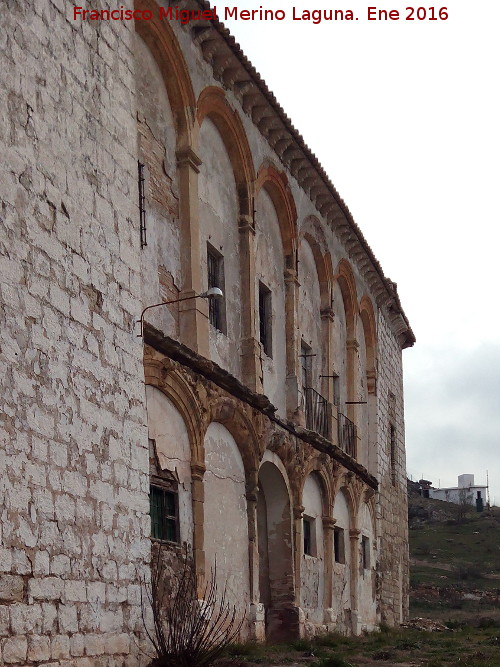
312	570
341	598
345	293
170	445
367	599
276	577
277	286
270	297
220	249
226	519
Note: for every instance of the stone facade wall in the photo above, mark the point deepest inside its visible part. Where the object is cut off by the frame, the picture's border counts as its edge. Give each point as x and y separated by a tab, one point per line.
73	442
392	524
75	431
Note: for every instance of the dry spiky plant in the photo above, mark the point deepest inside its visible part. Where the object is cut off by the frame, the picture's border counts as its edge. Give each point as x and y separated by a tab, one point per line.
188	631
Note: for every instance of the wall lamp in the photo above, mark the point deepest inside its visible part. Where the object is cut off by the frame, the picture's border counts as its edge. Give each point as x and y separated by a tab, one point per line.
212	293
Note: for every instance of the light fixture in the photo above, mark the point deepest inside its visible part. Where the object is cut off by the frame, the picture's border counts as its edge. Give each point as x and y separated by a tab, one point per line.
212	293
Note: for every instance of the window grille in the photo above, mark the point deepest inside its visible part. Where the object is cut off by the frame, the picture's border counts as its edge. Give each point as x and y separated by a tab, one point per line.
265	321
215	279
142	203
164	514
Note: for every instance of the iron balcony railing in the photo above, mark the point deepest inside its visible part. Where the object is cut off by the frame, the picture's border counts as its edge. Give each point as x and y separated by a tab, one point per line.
317	412
347	435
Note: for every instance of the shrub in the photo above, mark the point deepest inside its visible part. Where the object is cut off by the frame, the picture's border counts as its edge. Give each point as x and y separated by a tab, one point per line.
188	631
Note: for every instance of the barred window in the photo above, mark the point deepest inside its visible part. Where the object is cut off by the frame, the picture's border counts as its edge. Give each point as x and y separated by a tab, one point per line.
215	270
339	545
164	514
265	319
142	203
309	534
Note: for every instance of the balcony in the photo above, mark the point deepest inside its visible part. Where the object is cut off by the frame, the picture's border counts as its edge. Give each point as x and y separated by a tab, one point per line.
317	411
347	435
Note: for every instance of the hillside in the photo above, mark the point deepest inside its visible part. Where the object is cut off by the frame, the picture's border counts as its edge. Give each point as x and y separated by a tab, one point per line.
455	560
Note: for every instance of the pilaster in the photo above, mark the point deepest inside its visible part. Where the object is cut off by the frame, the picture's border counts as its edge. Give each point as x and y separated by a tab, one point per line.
193	314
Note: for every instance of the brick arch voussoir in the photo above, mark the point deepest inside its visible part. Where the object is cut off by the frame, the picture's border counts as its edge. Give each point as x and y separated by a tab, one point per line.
212	104
367	315
161	41
317	465
313	235
169	381
344	277
344	488
227	412
368	499
276	185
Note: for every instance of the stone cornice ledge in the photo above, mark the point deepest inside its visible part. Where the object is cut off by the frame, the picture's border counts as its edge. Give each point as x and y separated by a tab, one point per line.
213	372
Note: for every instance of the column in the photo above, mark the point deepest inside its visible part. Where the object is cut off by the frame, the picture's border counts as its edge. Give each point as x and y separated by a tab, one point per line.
257	616
250	346
198	498
354	534
328	527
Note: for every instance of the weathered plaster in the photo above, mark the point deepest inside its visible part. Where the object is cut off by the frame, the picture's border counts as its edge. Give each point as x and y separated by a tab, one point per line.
312	587
167	428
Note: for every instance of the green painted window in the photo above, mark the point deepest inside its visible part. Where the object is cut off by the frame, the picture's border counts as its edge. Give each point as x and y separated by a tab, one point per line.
164	514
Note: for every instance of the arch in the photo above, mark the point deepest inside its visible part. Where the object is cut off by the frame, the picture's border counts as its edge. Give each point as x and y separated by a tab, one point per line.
351	501
276	185
225	517
170	445
312	232
226	412
368	499
161	41
323	269
212	104
368	320
275	540
344	277
313	552
324	477
176	389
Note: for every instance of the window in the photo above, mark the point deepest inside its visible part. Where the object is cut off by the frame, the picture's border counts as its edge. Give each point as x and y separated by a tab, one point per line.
215	269
265	319
365	552
338	545
142	203
164	514
336	389
308	527
163	500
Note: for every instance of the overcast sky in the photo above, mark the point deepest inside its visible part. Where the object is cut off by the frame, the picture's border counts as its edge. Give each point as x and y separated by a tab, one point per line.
404	116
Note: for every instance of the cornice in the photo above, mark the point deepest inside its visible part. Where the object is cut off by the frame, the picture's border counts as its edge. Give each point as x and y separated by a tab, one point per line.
223	379
236	73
